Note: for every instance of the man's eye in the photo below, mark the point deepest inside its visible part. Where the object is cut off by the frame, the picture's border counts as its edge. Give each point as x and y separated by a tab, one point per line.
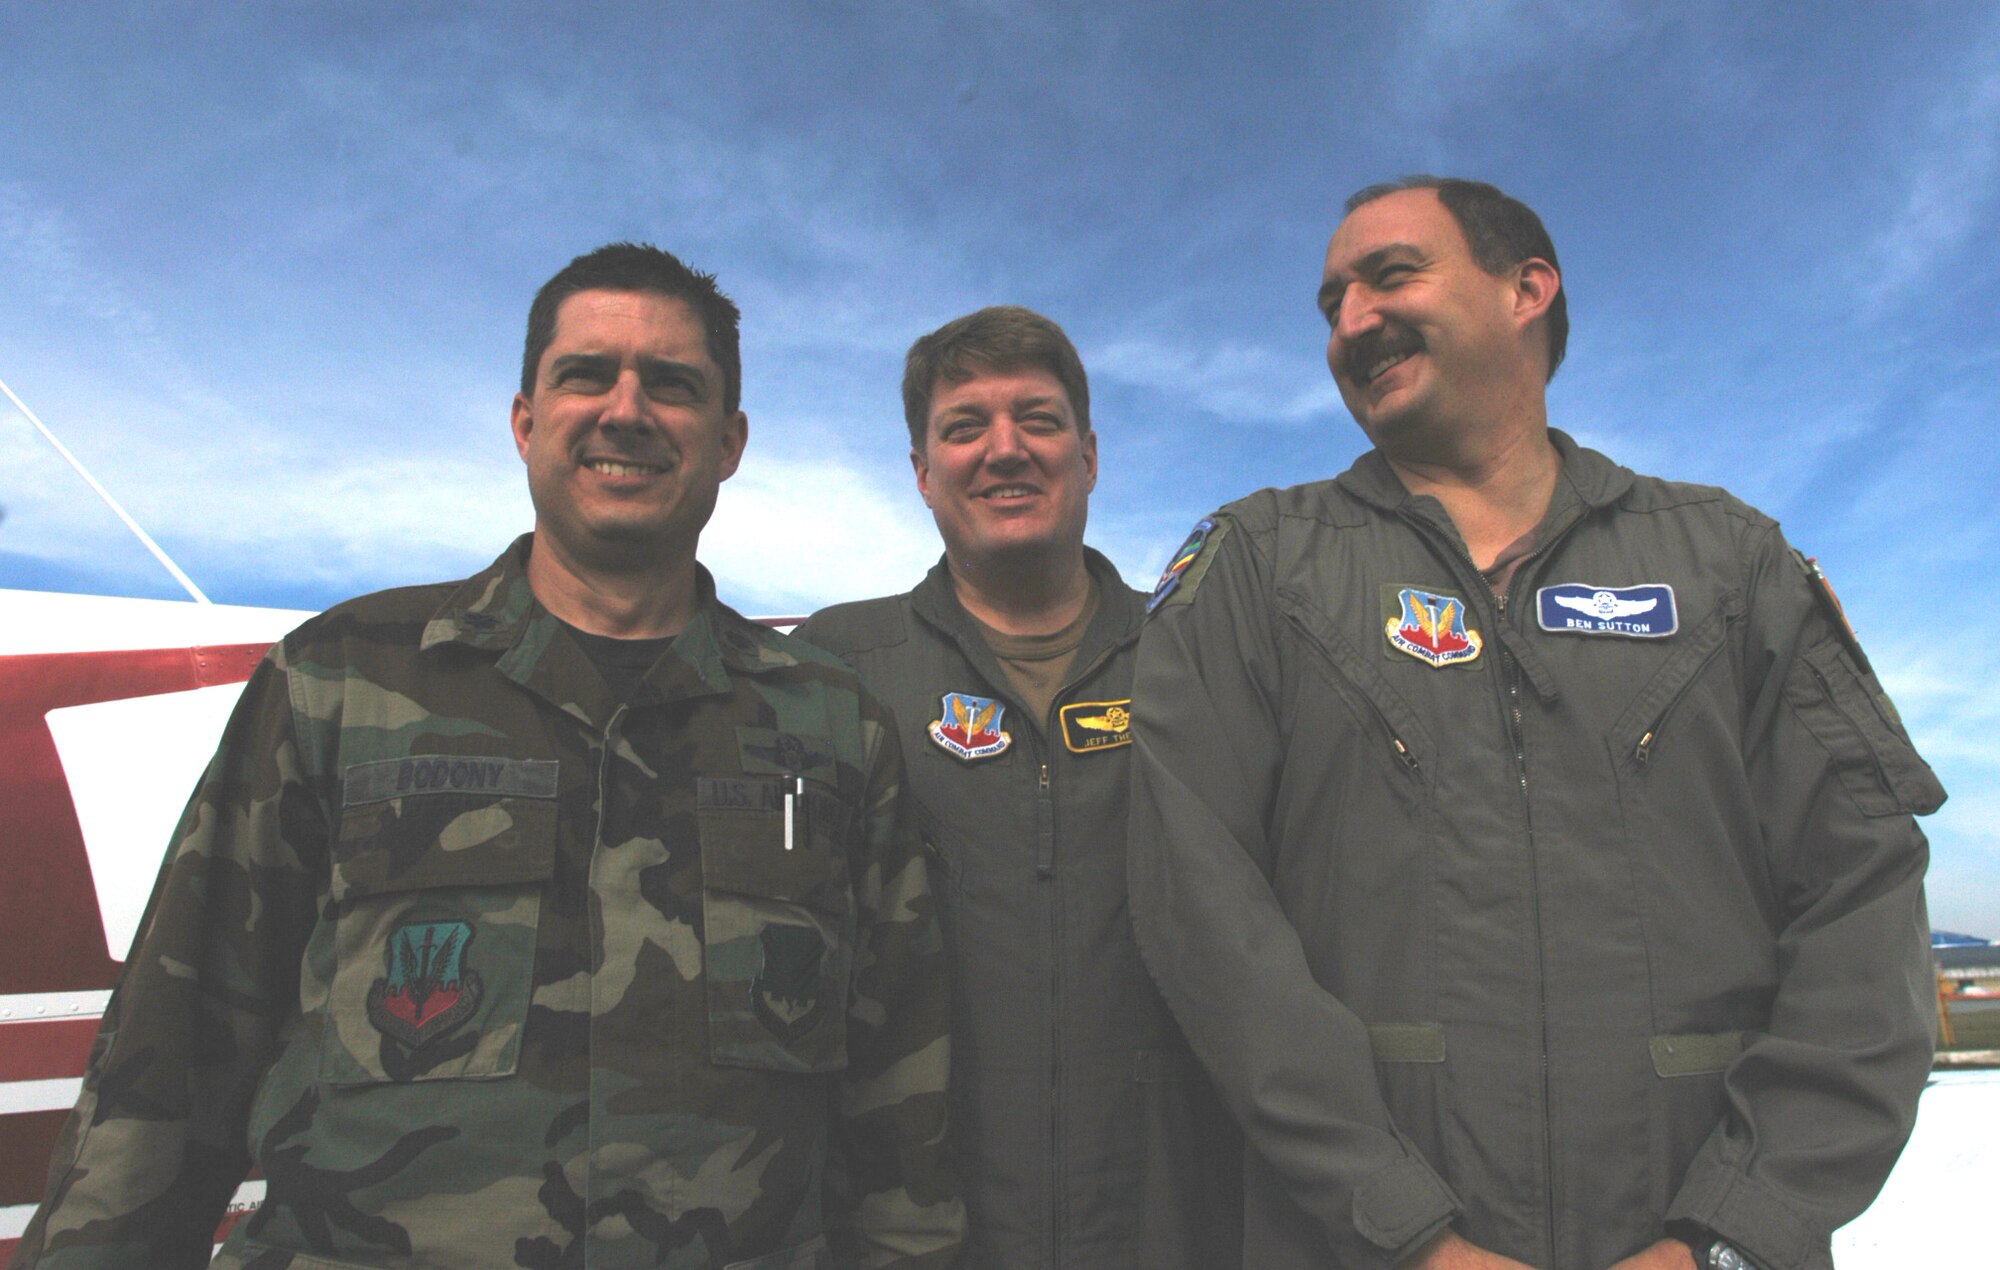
1394	273
672	390
579	377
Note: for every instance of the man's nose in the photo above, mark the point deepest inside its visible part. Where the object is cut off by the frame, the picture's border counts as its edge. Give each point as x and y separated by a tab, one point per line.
1358	314
625	403
1004	442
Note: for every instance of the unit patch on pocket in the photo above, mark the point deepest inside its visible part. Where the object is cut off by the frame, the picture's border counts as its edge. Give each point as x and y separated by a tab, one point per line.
785	995
429	989
1096	725
1645	611
1429	626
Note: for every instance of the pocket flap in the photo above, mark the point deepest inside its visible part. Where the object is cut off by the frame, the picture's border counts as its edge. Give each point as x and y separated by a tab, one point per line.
453	839
747	847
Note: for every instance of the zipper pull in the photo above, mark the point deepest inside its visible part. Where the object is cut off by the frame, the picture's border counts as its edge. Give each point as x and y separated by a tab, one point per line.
1045	776
1403	753
1645	748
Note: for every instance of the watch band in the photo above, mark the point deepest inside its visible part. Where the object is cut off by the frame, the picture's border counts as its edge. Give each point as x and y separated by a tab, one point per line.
1723	1255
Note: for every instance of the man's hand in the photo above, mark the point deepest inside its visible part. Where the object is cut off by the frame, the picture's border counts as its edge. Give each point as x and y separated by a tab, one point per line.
1668	1254
1450	1251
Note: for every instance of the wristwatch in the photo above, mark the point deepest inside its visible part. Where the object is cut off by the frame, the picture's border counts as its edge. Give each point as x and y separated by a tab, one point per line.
1723	1255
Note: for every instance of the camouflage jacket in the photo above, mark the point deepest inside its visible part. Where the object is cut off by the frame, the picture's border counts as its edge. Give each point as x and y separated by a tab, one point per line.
481	967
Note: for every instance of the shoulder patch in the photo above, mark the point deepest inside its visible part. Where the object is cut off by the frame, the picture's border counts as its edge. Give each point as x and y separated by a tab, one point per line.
1189	563
1831	608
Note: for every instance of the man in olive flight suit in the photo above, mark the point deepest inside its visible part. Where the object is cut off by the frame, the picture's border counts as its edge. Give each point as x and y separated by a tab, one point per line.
1087	1136
559	915
1526	845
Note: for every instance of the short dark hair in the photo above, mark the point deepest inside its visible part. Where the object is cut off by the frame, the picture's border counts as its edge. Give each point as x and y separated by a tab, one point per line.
1002	337
640	267
1501	231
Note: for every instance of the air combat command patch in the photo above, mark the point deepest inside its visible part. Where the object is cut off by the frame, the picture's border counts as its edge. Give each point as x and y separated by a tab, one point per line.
429	989
1089	726
969	726
1429	626
1184	571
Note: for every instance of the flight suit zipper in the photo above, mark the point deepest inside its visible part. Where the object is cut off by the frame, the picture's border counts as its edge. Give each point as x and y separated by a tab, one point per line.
1512	715
1045	871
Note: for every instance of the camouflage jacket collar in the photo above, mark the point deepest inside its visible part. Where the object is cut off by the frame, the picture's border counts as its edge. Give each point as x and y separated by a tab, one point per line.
1597	480
496	611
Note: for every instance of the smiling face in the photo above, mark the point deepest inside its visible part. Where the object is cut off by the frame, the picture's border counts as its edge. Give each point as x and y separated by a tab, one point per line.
1004	469
625	436
1421	336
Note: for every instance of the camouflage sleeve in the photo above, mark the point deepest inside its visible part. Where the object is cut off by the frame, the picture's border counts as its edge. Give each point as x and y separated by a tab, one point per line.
155	1148
893	1201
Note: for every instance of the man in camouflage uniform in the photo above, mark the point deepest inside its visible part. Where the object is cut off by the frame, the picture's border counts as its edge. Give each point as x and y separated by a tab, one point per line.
1086	1134
560	915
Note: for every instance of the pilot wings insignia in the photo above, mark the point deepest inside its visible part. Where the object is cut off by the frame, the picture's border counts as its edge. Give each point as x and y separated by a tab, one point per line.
1605	604
1090	726
969	726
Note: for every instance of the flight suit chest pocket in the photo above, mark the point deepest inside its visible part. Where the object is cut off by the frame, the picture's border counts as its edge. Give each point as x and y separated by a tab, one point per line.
437	893
778	917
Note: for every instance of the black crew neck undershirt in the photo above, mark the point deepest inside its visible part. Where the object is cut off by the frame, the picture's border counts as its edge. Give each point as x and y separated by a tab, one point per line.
621	662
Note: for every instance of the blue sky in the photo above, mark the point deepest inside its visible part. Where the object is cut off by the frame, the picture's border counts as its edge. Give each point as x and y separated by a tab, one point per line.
265	268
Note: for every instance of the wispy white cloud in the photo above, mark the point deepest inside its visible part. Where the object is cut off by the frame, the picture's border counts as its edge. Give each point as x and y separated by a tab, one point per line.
1233	379
792	533
1949	185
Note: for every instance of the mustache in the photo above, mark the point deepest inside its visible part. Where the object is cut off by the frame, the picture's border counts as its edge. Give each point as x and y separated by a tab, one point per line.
1389	340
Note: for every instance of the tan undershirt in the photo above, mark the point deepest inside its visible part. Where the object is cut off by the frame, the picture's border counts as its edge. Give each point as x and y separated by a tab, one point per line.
1500	574
1036	665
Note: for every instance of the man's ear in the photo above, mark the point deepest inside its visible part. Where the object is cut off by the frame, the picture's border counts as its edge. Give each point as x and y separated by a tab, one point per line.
1536	283
735	436
524	423
921	465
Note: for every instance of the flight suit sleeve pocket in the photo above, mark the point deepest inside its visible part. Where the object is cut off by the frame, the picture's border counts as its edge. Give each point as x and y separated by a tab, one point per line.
437	907
1864	738
779	924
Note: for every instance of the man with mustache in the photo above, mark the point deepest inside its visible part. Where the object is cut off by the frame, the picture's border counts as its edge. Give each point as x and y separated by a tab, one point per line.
1087	1136
558	916
1525	845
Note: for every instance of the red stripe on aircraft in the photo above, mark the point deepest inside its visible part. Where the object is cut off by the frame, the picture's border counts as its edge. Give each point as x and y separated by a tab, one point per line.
53	931
26	1142
46	1049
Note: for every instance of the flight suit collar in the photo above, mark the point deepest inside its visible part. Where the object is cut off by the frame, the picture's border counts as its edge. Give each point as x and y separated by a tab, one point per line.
1119	614
1119	610
1597	480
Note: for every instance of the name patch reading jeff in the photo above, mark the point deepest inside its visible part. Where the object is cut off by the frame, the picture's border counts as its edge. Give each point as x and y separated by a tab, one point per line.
1096	725
448	774
1645	611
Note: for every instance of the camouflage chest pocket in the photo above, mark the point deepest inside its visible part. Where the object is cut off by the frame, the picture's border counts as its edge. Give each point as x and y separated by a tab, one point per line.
779	919
437	883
